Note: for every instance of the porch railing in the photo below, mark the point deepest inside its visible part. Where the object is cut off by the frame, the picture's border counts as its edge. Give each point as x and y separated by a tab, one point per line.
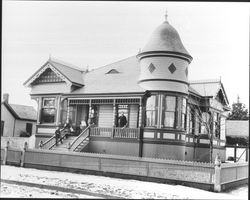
126	132
101	131
51	142
48	143
83	135
114	132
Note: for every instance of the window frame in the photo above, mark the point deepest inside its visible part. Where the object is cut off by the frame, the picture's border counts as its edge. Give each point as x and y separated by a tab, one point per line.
48	107
155	111
27	127
185	114
192	121
164	110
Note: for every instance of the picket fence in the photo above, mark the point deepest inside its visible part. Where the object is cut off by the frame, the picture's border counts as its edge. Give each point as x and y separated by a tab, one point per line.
209	176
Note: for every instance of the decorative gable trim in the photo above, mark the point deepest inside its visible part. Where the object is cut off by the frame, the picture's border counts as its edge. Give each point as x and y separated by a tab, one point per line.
42	70
221	88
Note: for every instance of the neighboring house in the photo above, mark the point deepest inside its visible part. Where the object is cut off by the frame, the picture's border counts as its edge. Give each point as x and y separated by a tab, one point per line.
166	113
17	118
237	128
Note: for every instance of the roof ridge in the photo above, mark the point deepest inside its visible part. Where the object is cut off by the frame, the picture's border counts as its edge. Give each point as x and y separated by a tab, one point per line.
112	63
205	81
20	105
66	64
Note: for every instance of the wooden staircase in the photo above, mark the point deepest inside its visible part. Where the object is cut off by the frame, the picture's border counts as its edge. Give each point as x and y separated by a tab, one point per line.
81	141
64	146
69	143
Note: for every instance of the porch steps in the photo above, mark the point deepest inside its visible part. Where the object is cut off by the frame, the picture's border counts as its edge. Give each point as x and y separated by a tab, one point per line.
64	145
83	144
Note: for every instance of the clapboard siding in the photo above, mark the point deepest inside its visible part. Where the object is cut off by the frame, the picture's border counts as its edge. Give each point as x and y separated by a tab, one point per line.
106	116
133	115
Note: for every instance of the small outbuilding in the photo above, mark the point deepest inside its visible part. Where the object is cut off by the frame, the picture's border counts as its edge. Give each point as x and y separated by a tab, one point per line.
16	119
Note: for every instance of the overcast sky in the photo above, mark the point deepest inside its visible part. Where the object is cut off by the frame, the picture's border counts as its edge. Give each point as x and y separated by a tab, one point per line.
98	33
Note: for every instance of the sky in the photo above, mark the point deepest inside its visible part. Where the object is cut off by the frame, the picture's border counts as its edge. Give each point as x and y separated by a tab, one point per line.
94	34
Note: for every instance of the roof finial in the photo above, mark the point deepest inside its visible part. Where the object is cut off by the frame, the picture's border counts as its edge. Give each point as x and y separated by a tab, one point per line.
166	15
238	99
49	56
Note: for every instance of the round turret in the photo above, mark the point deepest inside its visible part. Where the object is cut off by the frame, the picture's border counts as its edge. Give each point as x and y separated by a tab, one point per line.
164	61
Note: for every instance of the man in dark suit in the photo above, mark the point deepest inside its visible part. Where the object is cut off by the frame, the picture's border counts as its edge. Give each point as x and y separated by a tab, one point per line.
123	120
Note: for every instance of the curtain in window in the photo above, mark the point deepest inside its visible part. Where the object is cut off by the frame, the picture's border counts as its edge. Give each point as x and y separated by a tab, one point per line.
151	111
170	109
183	113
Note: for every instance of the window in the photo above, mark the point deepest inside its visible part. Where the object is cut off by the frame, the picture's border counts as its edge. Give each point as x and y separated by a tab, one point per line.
48	114
192	121
2	127
29	128
170	109
183	113
151	111
217	125
64	111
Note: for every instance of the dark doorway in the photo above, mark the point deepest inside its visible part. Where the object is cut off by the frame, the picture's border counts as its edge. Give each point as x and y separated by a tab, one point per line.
29	128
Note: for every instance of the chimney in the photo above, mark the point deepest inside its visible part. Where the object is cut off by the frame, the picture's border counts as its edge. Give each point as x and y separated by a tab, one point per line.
6	97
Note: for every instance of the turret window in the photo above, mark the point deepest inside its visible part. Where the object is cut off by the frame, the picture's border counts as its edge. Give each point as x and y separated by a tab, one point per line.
183	113
170	110
151	111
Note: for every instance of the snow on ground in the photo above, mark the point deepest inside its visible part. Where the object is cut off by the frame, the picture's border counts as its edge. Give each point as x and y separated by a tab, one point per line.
20	191
101	186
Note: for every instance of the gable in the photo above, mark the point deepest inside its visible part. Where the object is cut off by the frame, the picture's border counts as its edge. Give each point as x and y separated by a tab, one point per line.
112	71
41	71
7	111
48	76
220	97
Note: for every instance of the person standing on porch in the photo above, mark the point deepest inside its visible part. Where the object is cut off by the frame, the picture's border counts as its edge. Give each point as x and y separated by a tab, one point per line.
123	120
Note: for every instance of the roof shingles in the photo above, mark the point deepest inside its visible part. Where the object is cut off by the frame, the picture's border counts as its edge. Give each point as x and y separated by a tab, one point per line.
24	112
98	81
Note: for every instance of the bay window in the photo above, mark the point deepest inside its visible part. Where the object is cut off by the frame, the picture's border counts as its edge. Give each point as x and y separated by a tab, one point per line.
170	110
217	125
183	113
151	111
192	121
48	113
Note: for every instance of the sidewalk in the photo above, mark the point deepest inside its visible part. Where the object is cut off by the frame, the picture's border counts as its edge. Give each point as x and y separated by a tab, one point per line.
33	183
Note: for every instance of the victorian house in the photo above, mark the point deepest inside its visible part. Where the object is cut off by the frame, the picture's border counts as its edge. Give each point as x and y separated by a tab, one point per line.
167	115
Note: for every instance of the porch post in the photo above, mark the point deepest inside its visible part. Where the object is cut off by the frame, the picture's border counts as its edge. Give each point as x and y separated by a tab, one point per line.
67	118
140	114
114	113
90	108
140	129
58	110
39	110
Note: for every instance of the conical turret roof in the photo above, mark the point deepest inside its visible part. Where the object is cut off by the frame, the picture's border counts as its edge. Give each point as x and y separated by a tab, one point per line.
165	38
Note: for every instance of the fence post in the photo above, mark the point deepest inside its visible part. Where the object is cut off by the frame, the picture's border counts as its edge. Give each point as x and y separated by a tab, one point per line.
6	152
217	174
23	154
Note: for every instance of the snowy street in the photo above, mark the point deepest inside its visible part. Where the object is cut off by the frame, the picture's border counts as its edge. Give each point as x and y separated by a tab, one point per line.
33	183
